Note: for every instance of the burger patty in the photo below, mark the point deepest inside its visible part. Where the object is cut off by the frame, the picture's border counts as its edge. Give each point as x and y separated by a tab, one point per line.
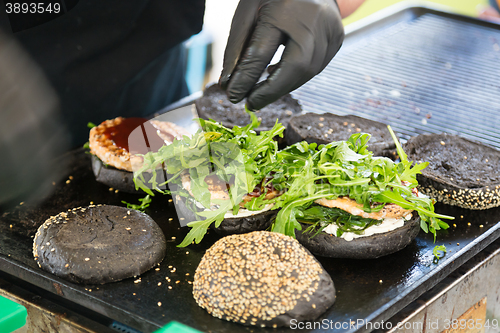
218	189
102	146
351	206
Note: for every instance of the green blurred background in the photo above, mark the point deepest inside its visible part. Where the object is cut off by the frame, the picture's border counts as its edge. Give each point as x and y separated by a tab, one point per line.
465	7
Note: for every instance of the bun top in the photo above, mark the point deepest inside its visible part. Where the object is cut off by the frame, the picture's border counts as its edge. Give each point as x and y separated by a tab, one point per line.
262	278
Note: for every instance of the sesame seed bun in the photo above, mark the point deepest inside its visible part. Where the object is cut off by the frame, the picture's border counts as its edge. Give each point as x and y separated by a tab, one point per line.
368	247
99	244
262	278
461	172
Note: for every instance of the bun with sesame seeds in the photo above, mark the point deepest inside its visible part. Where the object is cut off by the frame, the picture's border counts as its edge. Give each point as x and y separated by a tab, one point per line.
99	244
264	279
215	105
327	127
461	172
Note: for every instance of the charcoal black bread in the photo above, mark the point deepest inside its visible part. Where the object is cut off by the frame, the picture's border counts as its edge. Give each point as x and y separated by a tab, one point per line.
121	180
215	105
264	279
99	244
118	179
461	172
327	127
232	225
369	247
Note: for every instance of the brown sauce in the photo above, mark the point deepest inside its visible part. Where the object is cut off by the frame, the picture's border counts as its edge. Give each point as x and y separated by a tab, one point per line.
144	140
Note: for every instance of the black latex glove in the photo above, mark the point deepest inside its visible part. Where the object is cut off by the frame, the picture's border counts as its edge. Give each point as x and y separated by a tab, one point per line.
311	31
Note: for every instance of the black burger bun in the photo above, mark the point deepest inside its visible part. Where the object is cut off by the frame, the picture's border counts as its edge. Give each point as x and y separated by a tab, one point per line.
461	172
121	180
229	226
368	247
262	278
327	127
215	105
117	179
99	244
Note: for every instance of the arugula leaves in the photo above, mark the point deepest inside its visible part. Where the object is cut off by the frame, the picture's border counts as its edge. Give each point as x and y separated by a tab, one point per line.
348	168
243	159
238	159
144	203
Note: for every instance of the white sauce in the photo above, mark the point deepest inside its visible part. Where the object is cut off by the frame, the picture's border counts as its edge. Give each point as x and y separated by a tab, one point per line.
243	212
388	224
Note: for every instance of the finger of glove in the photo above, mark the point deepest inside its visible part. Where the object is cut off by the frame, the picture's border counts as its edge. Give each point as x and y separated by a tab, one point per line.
242	26
263	44
295	68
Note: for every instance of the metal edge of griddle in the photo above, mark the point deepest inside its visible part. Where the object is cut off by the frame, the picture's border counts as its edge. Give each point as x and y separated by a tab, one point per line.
63	289
433	278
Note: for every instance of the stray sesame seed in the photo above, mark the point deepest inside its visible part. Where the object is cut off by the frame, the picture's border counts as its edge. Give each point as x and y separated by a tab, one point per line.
442	143
321	124
87	259
68	181
111	189
128	228
468	224
169	287
70	177
10	226
52	250
173	237
159	303
458	243
67	265
116	191
157	269
159	284
380	281
137	281
480	226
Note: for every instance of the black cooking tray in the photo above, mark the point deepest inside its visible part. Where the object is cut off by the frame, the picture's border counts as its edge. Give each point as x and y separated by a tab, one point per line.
367	290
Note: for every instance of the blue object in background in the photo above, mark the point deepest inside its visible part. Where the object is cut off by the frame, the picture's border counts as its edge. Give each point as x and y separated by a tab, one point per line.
198	60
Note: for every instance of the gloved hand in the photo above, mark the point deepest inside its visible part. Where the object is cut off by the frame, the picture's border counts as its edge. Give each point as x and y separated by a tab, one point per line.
311	31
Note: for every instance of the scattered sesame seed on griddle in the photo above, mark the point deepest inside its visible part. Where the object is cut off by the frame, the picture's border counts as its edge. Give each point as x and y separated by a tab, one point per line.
159	284
137	281
260	274
159	303
157	269
87	259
